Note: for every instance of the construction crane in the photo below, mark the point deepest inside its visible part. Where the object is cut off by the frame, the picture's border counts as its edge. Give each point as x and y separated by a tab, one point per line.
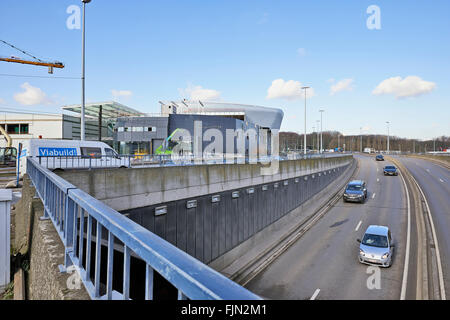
36	62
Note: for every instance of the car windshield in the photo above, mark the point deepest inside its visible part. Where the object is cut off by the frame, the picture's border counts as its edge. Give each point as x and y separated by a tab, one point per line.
374	240
390	167
354	187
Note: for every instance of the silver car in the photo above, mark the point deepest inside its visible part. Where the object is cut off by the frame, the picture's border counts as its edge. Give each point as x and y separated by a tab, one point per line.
376	247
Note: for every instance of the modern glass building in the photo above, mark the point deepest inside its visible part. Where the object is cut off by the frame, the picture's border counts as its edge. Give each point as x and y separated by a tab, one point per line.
151	134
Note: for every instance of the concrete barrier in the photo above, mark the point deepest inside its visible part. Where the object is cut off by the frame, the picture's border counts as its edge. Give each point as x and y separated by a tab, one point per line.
123	189
209	225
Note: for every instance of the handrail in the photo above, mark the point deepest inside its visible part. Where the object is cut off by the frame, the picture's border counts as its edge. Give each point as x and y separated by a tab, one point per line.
73	212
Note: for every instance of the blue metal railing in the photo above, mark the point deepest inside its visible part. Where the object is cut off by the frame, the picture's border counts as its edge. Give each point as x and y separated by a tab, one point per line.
74	214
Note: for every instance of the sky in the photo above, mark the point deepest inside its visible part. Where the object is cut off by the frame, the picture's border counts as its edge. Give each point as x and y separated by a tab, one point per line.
366	62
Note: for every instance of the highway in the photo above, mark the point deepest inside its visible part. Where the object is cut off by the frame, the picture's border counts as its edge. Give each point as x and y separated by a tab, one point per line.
324	264
435	183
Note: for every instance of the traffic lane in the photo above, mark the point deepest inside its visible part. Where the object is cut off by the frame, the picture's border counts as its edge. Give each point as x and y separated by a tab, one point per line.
285	278
439	173
325	257
387	208
429	175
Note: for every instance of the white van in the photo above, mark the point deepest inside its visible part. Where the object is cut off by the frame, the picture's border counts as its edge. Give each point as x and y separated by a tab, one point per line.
70	154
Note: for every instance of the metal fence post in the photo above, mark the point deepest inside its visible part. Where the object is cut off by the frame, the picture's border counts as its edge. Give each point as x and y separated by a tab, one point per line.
5	222
69	214
45	200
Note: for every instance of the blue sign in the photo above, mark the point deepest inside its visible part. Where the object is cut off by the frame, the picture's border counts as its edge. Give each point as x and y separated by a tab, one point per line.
57	152
23	153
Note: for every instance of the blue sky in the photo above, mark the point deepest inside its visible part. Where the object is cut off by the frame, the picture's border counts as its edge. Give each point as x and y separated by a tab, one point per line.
233	51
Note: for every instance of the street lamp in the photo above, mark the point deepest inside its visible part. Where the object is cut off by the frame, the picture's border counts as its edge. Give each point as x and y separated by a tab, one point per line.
387	122
318	143
360	142
312	136
339	146
304	138
82	129
321	128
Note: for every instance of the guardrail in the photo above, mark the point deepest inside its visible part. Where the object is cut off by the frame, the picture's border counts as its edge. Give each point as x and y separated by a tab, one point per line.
75	215
127	161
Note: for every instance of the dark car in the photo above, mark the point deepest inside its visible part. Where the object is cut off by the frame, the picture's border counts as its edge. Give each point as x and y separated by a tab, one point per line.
379	157
390	171
356	191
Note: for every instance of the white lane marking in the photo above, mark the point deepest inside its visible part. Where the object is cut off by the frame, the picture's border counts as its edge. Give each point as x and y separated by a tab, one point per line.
441	180
378	179
316	293
373	196
359	225
428	170
408	237
378	169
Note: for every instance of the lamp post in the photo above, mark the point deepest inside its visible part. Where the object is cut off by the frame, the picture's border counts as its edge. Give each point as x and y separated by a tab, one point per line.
318	143
304	138
82	124
321	130
312	136
360	142
387	122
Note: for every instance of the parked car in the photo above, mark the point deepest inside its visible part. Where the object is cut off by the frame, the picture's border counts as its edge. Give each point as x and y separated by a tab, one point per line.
376	247
356	191
379	157
390	171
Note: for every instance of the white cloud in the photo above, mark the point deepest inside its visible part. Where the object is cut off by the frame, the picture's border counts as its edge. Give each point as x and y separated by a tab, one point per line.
289	90
31	96
2	101
410	86
301	52
121	93
199	93
343	85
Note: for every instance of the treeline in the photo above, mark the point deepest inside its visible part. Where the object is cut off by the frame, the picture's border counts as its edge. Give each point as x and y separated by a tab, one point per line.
333	139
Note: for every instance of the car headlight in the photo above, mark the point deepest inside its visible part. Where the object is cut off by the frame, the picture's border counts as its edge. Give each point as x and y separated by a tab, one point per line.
385	255
362	253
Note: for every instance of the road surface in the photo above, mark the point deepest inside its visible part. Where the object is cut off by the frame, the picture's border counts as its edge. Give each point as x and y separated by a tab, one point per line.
324	264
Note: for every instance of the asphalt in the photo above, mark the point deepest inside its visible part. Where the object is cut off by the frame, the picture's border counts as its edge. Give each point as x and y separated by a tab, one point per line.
324	262
435	183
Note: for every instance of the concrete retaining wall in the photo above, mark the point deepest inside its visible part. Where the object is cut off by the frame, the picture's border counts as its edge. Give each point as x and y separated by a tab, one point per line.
124	189
40	243
211	229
